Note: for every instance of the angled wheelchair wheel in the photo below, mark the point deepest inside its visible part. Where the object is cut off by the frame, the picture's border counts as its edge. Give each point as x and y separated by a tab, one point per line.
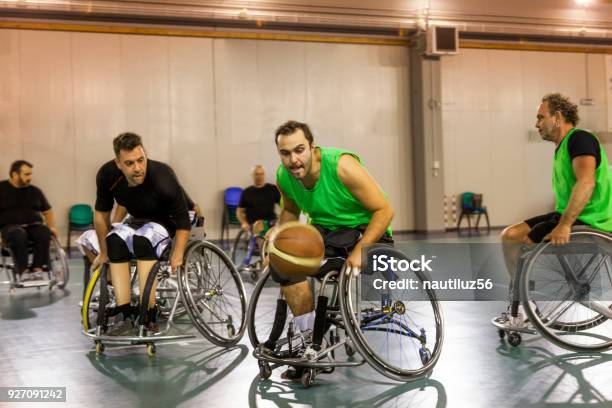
58	263
166	290
567	291
91	301
399	337
245	255
268	315
240	247
213	294
95	293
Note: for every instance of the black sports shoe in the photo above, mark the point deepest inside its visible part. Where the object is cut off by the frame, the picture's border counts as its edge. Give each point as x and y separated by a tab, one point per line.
293	374
123	326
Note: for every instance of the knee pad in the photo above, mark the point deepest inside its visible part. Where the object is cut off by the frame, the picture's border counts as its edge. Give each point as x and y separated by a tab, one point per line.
143	249
117	249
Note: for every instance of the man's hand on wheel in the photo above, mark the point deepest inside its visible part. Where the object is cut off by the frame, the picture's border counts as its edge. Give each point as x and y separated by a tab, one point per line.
560	235
100	260
176	261
353	262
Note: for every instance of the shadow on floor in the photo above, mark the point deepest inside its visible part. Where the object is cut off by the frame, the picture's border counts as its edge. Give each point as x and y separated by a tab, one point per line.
342	393
19	305
550	380
166	381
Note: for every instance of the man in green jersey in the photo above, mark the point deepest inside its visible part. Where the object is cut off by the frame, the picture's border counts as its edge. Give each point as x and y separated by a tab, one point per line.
582	183
341	199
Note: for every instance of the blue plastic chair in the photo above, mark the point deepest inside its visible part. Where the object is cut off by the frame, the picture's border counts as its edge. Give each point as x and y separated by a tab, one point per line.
231	199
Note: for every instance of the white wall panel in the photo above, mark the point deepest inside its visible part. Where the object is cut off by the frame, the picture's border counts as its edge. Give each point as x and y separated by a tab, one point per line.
47	115
145	86
99	114
10	100
193	143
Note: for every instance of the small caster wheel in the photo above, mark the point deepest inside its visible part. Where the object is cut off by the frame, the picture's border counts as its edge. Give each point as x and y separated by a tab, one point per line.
264	370
501	333
308	378
514	339
99	348
151	349
349	350
254	276
231	332
425	355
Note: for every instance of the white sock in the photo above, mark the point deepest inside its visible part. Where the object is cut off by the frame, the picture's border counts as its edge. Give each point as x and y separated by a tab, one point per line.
305	322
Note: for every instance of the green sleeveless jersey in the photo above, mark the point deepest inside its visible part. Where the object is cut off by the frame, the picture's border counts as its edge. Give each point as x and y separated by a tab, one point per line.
329	204
598	211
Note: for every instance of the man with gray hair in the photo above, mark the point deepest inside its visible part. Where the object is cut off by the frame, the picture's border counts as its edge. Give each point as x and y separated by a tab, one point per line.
582	183
581	179
256	208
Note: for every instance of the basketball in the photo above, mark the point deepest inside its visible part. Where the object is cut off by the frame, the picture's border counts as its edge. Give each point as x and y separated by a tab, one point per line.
296	250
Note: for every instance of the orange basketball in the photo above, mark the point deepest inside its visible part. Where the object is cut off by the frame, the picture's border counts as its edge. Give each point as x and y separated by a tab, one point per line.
296	250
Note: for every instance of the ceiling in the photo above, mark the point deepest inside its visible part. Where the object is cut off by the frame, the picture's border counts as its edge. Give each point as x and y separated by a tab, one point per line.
562	20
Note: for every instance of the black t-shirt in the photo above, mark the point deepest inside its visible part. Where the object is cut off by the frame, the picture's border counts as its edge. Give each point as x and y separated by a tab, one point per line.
160	198
21	205
583	143
258	202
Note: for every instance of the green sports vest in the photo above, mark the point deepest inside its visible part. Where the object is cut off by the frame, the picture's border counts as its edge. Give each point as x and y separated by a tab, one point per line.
329	204
598	211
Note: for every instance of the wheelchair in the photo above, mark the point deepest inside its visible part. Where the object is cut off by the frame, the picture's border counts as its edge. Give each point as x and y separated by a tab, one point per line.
247	255
400	339
56	274
207	293
566	293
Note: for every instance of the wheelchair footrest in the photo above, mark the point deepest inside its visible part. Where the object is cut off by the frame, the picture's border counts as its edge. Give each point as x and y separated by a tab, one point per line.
33	284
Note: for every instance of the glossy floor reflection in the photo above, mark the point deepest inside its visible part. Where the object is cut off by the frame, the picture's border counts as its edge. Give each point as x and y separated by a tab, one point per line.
41	345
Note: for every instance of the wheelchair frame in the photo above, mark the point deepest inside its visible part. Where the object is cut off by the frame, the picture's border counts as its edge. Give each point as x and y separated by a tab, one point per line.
55	249
336	316
180	286
246	264
520	295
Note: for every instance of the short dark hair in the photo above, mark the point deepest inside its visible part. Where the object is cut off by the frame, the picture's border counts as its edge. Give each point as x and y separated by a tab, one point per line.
558	102
290	127
126	141
16	166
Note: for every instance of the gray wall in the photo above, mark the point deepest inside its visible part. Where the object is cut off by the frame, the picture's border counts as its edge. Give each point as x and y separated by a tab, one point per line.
207	107
490	99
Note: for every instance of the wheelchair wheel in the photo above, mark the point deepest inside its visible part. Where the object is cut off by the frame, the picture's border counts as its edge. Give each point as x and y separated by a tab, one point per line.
265	307
166	291
400	338
58	264
245	254
213	294
240	247
567	291
92	297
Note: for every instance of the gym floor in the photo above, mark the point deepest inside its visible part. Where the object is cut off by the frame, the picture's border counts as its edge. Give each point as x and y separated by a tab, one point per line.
41	345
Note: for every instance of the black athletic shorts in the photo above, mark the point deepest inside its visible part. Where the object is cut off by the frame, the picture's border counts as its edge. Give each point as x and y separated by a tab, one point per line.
542	225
